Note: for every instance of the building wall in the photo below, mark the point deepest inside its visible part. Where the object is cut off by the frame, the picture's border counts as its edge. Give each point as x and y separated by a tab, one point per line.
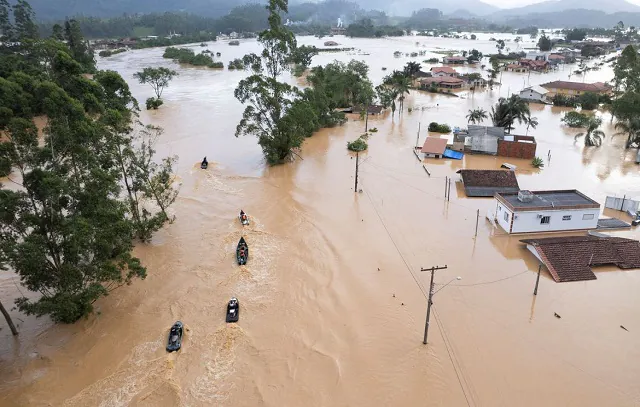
526	222
516	149
532	95
485	144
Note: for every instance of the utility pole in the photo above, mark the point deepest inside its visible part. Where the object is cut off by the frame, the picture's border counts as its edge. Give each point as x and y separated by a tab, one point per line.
535	290
355	189
477	219
430	301
418	136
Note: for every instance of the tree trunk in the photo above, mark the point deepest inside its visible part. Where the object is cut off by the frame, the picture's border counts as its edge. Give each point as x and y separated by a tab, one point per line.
14	331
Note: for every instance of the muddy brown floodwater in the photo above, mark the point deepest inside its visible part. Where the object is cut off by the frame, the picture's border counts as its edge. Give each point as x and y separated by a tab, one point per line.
333	300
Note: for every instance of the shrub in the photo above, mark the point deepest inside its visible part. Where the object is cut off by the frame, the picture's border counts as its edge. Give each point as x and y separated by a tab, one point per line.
431	61
108	53
236	64
575	119
357	145
566	101
154	103
588	101
217	65
187	56
373	130
537	162
439	128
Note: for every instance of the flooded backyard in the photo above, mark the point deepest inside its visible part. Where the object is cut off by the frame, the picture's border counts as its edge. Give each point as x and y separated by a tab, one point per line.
333	297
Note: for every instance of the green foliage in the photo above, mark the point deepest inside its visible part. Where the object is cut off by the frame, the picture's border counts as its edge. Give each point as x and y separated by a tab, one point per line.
344	84
593	136
80	50
167	42
366	28
153	103
630	128
544	43
303	55
432	60
474	56
439	128
564	101
411	69
575	34
158	78
509	110
236	64
187	56
588	101
532	31
357	145
476	116
68	230
537	162
107	53
394	86
576	119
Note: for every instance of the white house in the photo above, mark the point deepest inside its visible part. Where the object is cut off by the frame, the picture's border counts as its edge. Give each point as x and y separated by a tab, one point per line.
534	93
537	55
545	211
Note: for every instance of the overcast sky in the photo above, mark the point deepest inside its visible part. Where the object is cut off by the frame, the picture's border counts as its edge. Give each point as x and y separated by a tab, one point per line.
520	3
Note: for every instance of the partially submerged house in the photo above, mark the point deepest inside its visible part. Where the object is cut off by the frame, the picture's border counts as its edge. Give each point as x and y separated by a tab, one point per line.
483	139
546	211
454	60
440	71
486	183
434	147
517	147
534	93
516	68
444	82
571	258
568	88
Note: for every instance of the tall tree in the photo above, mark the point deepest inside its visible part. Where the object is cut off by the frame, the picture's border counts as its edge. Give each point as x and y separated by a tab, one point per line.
593	136
80	50
267	99
157	78
630	128
25	28
6	28
411	69
544	43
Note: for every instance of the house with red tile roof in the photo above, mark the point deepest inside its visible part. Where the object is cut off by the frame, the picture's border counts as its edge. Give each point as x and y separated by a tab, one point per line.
568	88
454	60
444	82
440	71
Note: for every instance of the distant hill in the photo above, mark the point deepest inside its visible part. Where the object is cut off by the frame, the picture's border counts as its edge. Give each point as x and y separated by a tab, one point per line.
570	18
608	6
406	7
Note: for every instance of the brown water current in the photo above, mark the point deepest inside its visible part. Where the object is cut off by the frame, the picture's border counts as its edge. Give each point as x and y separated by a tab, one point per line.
333	300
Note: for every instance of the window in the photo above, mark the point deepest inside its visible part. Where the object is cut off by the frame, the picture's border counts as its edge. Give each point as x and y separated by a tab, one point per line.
506	216
566	217
587	216
545	220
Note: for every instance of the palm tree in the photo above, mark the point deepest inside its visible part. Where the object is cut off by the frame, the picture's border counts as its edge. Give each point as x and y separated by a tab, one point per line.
412	68
476	116
593	136
531	122
507	111
632	129
401	85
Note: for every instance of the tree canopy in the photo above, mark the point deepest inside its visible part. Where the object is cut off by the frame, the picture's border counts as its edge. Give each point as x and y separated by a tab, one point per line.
68	229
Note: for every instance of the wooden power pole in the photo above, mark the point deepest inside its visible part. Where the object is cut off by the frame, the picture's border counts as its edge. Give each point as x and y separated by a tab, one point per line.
430	300
355	189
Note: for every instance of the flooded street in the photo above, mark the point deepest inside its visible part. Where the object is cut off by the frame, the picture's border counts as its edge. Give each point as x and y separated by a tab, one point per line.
333	300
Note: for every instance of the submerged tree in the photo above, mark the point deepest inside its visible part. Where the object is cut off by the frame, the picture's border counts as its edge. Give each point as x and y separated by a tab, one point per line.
507	111
267	100
630	128
593	136
159	79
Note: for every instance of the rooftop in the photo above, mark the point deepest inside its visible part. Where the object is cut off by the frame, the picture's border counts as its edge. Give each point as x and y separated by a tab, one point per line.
456	58
583	87
486	183
445	69
554	200
444	79
537	89
434	145
571	258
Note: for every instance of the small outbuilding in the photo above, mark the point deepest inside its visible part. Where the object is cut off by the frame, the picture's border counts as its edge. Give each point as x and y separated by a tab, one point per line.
486	183
534	93
545	211
434	147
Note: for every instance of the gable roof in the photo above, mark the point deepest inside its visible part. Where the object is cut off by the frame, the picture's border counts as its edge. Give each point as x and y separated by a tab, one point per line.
486	183
445	69
571	258
537	89
579	86
445	79
434	145
456	58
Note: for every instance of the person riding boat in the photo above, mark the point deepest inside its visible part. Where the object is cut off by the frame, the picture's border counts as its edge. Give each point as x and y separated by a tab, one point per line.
204	163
